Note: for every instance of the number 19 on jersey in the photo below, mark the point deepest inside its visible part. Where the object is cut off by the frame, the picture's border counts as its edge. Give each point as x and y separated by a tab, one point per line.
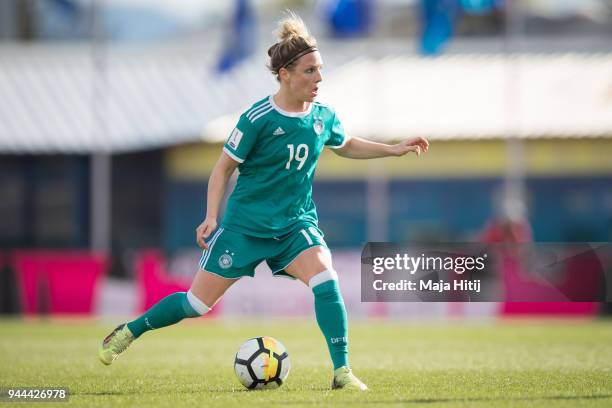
300	154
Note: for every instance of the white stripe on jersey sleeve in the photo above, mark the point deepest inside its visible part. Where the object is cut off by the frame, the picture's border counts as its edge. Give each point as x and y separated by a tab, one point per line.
256	110
346	139
232	155
261	114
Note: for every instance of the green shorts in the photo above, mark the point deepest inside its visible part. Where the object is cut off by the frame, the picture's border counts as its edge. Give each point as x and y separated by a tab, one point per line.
233	255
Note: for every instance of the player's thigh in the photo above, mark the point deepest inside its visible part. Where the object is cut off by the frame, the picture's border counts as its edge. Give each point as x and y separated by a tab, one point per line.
230	256
310	263
209	287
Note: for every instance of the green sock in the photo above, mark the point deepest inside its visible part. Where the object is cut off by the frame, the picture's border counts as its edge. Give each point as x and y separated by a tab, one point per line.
170	310
331	316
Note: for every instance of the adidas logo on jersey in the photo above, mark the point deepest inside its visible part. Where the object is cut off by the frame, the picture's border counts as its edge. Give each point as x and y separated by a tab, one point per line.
279	131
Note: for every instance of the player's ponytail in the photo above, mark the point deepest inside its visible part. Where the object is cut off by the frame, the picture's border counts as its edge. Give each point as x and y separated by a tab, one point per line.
294	41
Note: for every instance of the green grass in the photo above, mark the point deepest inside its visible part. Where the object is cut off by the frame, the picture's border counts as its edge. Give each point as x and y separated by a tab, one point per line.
552	364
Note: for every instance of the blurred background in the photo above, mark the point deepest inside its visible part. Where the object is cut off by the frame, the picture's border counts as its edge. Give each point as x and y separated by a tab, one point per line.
113	113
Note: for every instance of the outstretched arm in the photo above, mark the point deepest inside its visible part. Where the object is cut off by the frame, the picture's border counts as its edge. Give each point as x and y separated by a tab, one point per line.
356	148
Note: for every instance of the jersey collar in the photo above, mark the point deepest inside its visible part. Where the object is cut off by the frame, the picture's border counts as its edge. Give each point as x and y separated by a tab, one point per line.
290	114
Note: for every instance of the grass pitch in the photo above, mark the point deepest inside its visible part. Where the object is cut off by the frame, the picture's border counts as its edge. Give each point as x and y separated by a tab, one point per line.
503	364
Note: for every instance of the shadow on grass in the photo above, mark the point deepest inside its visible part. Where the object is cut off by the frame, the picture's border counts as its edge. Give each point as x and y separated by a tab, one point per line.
455	400
202	390
140	392
360	400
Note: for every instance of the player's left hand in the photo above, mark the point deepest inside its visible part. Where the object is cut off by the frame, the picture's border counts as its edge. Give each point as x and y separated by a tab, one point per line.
418	145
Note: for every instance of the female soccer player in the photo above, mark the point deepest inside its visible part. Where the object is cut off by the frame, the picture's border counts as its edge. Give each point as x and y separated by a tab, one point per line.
270	216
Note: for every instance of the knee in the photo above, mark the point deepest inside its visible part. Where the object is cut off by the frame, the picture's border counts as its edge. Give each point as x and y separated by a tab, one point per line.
196	304
323	282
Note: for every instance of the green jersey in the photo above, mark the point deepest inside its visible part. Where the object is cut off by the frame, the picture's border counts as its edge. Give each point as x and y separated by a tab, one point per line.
278	153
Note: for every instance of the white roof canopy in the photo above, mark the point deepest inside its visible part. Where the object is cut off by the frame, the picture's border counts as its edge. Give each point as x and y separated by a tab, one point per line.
469	97
57	101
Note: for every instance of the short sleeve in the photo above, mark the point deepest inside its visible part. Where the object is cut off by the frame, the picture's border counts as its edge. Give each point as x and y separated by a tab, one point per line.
241	141
338	137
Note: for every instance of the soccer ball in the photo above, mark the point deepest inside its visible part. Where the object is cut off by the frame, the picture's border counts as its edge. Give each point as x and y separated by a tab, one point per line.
262	363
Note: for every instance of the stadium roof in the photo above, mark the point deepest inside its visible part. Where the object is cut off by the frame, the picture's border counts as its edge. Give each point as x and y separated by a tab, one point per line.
55	101
470	97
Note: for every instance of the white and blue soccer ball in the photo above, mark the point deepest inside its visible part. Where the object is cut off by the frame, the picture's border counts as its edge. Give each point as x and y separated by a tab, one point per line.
262	363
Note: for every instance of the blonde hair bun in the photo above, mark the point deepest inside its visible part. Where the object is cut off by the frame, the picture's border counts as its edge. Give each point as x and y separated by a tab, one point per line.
293	38
292	27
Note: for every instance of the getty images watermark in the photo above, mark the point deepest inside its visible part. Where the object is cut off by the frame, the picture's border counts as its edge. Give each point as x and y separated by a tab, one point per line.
486	273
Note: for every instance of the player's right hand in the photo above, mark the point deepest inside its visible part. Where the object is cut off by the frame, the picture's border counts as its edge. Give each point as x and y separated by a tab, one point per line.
204	230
